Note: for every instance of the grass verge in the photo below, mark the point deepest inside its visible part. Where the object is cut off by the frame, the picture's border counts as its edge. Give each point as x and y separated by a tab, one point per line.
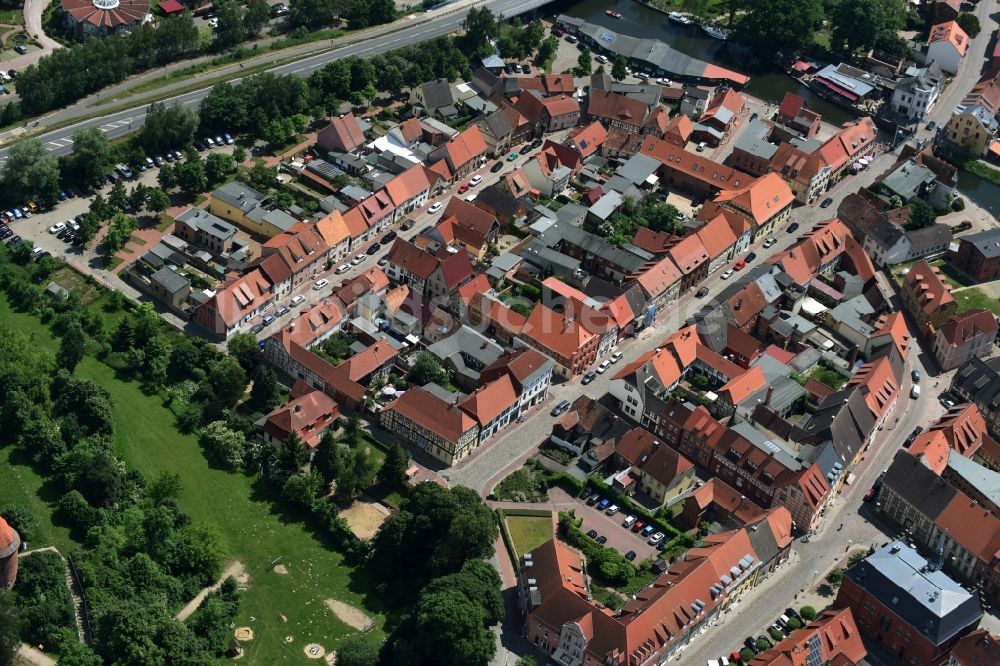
257	530
529	532
973	297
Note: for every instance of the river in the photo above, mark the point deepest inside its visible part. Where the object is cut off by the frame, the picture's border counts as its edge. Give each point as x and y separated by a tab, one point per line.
640	21
983	192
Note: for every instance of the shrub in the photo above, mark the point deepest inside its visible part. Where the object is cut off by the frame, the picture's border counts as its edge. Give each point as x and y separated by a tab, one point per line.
746	654
835	577
763	644
958	204
808	613
776	633
793	624
20	518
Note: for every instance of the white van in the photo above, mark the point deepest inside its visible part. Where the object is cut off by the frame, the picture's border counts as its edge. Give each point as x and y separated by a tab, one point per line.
629	521
612	510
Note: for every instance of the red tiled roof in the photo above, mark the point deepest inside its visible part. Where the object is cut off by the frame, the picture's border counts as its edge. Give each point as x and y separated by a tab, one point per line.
433	413
410	258
471	224
554	332
762	199
717	236
968	325
407	185
455	269
588	139
307	416
312	323
839	642
333	229
560	106
979	648
972	526
644	450
791	104
658	362
466	146
299	247
608	105
689	254
818	389
659	277
739	388
853	139
489	401
679	127
725	497
343	134
126	12
355	222
8	537
925	282
879	385
952	33
368	360
373	280
477	285
694	165
241	296
654	242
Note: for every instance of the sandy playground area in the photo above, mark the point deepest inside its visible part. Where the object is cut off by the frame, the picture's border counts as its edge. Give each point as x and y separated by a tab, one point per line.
349	615
365	517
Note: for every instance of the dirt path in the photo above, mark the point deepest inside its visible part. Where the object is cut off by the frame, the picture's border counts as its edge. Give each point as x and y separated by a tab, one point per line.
234	569
33	656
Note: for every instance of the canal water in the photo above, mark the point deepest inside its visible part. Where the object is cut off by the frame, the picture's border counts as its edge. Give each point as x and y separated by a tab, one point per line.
983	192
639	20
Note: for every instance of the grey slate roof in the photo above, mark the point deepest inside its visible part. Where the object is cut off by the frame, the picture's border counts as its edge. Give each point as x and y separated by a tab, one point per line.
909	179
606	205
979	380
171	281
437	95
981	478
753	140
629	261
922	240
987	242
468	350
638	168
239	195
207	223
918	486
497	125
929	601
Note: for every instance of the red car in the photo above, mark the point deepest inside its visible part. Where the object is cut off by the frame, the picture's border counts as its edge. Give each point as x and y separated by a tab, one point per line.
463	188
739	265
638	526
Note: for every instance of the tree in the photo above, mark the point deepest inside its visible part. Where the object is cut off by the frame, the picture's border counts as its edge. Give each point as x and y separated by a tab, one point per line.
835	577
788	25
256	17
313	13
547	49
865	24
427	369
166	486
265	394
480	27
118	196
30	172
157	200
808	613
526	660
584	65
793	624
191	176
244	348
223	386
19	517
91	157
86	401
393	472
696	8
166	178
921	215
763	644
167	128
359	650
231	29
970	24
74	653
224	445
618	68
10	629
72	346
218	166
239	154
449	618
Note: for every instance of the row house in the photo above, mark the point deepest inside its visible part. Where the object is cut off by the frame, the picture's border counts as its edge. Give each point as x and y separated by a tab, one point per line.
616	110
807	173
463	154
493	406
661	285
832	638
235	302
334	231
410	190
690	171
692	260
303	251
721	115
927	297
549	114
560	617
855	140
343	135
306	330
653	467
436	426
467	226
530	373
978	382
964	336
566	341
766	202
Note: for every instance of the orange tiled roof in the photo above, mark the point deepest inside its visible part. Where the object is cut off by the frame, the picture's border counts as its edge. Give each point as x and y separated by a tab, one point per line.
355	222
950	32
241	296
680	127
407	185
555	332
654	242
588	139
694	165
466	146
609	105
972	526
689	254
931	291
431	412
489	401
644	450
560	106
853	138
659	277
307	416
126	12
717	236
658	362
879	385
762	199
970	324
311	323
333	229
739	388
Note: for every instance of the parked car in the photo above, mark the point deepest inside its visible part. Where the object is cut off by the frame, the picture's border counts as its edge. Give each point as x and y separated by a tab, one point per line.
915	391
475	180
946	402
826	203
602	539
638	525
603	366
228	138
21	48
298	299
870	495
496	167
587	492
373	249
525	150
592	534
770	241
406	225
463	188
603	504
753	116
358	258
728	274
267	320
915	375
593	499
56	228
750	257
739	265
656	538
588	377
435	207
630	555
257	329
647	531
628	521
931	125
513	156
612	510
319	284
617	356
701	293
560	408
603	59
793	227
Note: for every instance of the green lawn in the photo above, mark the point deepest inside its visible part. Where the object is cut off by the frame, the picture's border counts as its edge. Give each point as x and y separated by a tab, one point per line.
529	532
831	378
256	532
19	484
974	297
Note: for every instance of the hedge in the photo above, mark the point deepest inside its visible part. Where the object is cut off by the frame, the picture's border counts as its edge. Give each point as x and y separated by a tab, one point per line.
508	542
532	513
626	502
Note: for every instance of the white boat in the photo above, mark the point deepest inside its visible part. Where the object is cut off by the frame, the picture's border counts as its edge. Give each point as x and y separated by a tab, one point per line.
715	32
677	17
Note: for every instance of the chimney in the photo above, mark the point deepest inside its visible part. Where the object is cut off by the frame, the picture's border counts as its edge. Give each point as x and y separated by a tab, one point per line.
298	407
767	398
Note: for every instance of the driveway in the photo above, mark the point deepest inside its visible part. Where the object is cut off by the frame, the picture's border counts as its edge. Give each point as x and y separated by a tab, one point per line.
33	10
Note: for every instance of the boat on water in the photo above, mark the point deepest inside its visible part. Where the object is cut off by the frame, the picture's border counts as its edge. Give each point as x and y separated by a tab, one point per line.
715	32
613	14
677	17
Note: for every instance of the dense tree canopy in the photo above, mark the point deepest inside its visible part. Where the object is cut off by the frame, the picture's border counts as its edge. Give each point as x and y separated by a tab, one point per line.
863	24
787	25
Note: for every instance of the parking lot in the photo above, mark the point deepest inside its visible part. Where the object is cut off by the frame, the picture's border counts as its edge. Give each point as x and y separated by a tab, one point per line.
619	537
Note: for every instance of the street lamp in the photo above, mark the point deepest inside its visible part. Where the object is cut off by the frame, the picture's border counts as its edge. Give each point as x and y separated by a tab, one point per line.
815	575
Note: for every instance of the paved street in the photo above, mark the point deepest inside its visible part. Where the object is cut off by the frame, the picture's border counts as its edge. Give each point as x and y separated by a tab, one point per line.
444	21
